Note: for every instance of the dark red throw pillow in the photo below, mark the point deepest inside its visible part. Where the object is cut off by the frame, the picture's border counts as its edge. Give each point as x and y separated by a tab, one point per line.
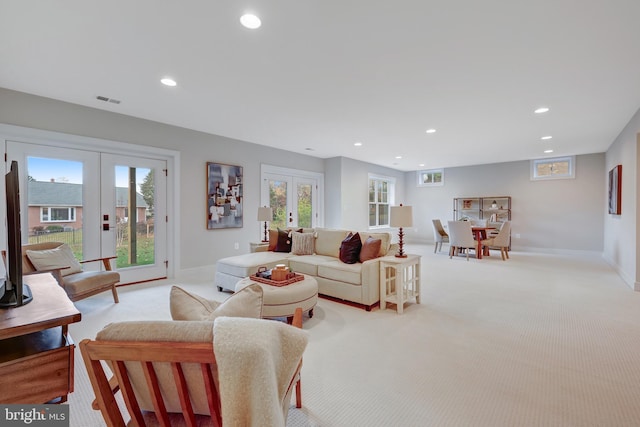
284	240
350	249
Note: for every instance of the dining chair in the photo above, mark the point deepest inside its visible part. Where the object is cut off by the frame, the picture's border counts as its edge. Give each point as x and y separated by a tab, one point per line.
439	235
460	237
501	241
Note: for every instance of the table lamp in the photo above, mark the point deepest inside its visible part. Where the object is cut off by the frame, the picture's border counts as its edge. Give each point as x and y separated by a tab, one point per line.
265	214
401	216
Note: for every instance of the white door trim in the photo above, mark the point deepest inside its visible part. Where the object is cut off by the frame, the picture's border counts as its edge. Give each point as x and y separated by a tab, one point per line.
172	157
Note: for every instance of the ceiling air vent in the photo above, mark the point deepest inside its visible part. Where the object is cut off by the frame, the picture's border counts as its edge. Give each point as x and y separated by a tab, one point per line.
105	99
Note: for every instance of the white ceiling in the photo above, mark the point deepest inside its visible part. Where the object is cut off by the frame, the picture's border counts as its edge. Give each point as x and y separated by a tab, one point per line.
320	75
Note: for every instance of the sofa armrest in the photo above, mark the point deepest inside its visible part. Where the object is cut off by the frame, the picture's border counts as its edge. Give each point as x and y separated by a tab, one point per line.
370	281
393	249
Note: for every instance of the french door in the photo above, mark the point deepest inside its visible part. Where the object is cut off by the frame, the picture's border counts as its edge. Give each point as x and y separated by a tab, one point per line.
293	197
100	204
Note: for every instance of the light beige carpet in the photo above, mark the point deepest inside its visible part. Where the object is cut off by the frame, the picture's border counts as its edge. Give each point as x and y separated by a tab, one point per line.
538	340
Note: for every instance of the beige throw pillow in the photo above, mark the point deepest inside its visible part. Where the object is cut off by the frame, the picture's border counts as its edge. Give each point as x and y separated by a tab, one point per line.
244	303
302	243
50	259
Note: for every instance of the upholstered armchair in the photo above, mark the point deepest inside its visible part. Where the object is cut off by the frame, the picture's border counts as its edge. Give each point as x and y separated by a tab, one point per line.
460	237
58	259
439	235
501	241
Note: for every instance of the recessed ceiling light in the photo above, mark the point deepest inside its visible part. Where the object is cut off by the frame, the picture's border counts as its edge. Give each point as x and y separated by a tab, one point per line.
421	165
358	144
168	81
250	21
544	138
431	131
398	157
541	110
548	151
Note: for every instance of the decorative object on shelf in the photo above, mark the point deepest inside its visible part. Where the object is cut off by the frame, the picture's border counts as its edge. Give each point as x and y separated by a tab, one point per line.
401	216
494	205
615	190
265	214
224	196
466	204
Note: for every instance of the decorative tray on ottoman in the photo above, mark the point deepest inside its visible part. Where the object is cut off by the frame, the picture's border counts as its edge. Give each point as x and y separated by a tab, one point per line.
291	278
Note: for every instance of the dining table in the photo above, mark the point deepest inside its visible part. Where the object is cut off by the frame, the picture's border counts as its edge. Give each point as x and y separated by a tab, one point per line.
480	234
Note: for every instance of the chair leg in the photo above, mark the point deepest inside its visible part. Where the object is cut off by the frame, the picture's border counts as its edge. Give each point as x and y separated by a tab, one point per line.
435	248
115	294
506	252
451	250
298	394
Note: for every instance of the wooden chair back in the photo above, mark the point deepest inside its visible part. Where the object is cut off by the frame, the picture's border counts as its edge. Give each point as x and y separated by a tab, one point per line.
122	356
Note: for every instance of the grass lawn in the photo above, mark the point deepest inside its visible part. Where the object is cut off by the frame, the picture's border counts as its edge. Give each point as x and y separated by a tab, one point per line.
145	246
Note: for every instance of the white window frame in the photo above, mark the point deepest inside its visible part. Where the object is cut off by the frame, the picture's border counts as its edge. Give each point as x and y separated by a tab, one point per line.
391	190
571	174
70	209
422	173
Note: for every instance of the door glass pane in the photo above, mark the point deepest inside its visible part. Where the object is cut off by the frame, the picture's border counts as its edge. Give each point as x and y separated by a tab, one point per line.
304	205
54	197
135	199
278	202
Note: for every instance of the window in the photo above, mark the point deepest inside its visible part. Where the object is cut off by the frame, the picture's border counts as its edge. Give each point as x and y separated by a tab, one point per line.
431	178
555	168
381	192
67	214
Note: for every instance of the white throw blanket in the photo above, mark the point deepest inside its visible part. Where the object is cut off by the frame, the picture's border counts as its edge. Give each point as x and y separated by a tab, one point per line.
256	361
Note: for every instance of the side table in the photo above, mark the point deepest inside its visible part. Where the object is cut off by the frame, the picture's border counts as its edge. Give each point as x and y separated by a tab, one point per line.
399	281
258	246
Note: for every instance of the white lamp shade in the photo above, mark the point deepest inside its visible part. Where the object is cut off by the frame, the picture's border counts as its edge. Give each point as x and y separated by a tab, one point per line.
401	216
265	214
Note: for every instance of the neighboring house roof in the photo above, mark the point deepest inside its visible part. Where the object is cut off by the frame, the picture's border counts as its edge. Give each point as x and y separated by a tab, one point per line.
43	193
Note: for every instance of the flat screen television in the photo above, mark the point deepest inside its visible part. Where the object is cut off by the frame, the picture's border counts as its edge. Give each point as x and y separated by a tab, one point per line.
14	293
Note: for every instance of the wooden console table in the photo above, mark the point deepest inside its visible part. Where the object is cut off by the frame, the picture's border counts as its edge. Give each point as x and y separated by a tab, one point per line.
36	351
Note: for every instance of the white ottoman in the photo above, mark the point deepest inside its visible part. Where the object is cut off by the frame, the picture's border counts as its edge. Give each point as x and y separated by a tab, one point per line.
282	301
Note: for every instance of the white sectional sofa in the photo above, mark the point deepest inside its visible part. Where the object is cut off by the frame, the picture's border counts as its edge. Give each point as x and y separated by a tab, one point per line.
358	283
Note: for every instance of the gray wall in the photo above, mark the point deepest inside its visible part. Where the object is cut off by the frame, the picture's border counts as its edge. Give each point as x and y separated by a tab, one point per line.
200	247
621	231
549	215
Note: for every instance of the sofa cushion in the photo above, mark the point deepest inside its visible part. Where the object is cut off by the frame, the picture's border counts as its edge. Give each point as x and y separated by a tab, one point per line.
385	241
60	257
302	243
247	264
308	264
328	241
350	249
339	271
370	249
187	306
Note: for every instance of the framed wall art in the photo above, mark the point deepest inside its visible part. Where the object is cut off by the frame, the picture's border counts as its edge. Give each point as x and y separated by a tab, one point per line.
615	190
224	196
